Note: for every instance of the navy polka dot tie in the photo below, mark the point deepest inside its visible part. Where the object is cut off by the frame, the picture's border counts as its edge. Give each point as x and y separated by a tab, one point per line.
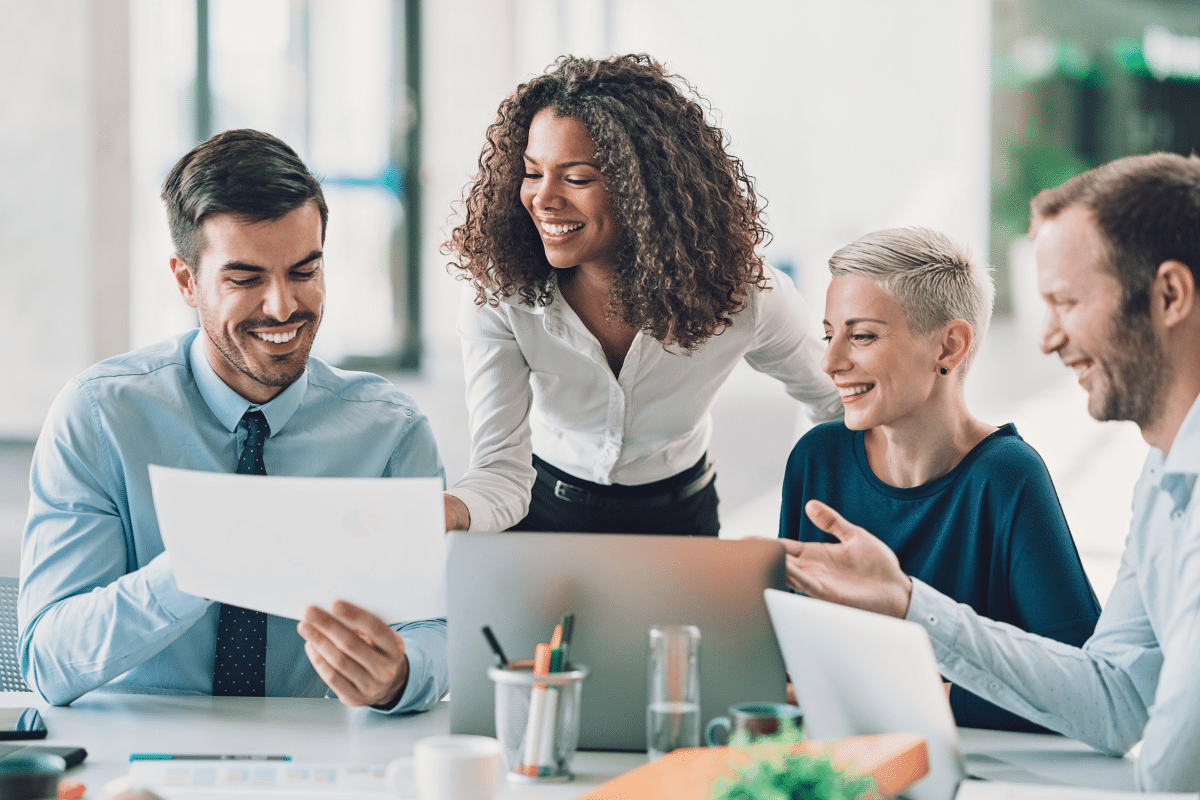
241	661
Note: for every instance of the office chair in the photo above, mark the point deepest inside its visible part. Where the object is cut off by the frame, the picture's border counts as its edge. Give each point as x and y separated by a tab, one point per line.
10	666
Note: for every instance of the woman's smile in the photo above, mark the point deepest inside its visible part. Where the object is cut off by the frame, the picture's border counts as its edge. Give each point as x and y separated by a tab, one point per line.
564	193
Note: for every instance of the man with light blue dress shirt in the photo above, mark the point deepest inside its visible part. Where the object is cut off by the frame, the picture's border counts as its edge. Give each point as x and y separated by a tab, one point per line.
1118	260
98	603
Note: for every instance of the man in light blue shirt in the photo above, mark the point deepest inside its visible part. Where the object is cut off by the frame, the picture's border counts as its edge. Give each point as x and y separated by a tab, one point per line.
98	603
1118	259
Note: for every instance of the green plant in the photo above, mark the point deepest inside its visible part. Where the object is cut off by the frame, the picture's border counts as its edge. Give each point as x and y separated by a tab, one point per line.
774	775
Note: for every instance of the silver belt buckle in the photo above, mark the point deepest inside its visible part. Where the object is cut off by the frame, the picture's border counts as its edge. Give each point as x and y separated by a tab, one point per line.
572	494
701	483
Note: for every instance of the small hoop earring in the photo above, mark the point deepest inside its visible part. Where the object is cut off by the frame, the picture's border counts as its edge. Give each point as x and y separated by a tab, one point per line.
943	370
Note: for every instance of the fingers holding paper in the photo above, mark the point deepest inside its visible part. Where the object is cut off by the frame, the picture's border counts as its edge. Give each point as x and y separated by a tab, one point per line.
357	655
859	570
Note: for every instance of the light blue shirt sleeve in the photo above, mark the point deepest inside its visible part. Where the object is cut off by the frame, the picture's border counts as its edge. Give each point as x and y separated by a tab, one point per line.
1064	688
1136	677
88	618
428	665
98	606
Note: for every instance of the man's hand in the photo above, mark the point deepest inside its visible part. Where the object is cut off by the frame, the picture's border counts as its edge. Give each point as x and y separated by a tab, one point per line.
357	655
858	571
458	518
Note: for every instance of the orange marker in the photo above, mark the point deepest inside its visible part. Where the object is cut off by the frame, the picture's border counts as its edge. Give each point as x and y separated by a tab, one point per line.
70	789
556	639
537	710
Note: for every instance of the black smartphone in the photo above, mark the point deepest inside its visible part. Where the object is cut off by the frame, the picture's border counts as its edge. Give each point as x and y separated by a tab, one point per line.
21	723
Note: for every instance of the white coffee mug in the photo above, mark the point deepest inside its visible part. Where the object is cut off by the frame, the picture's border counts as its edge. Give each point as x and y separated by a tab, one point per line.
457	767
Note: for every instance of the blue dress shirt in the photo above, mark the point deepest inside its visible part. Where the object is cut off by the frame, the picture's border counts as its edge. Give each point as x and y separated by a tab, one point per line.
98	603
1137	677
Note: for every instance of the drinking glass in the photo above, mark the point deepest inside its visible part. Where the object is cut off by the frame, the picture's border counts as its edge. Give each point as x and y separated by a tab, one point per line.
673	711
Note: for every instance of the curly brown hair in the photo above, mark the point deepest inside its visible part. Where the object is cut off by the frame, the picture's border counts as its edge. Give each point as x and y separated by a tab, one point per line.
689	216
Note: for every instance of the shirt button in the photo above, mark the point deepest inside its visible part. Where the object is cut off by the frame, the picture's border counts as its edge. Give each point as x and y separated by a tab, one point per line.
932	619
1177	514
993	686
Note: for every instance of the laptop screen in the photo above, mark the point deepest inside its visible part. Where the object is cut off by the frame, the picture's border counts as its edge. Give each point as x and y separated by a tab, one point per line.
859	673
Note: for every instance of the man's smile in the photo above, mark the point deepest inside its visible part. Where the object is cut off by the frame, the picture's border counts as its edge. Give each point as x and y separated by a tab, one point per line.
278	338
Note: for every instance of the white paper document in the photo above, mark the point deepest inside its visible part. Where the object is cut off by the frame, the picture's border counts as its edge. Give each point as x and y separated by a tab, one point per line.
281	544
192	780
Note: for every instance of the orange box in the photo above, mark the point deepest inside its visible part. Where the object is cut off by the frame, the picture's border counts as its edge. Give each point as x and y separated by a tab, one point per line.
894	760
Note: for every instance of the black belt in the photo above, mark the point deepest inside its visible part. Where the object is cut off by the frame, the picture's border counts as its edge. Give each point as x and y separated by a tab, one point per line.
675	489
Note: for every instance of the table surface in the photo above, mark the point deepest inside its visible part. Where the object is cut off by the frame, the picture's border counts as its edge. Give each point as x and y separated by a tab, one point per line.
111	726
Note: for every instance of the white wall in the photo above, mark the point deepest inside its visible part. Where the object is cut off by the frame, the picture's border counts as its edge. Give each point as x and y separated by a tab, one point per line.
64	155
852	116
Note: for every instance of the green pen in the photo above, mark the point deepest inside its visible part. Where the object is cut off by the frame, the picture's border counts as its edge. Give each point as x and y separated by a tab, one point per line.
568	628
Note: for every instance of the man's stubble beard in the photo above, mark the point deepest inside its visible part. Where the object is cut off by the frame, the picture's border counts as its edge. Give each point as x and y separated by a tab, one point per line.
289	366
1137	374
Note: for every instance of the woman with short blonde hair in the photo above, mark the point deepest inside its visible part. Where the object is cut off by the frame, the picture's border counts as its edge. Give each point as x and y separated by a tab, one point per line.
968	508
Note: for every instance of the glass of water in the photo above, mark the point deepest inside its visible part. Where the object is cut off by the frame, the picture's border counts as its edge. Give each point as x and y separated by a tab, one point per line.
673	712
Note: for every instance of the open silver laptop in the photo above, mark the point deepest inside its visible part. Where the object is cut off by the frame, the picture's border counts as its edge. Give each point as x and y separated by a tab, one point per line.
858	673
618	586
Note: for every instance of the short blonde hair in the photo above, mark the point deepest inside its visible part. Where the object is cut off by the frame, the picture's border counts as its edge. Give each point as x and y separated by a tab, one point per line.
933	279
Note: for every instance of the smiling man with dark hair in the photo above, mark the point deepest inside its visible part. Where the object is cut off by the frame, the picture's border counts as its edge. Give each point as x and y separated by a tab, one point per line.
98	602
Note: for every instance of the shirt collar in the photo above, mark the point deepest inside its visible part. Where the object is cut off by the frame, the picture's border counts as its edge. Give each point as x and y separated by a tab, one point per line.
1184	456
229	406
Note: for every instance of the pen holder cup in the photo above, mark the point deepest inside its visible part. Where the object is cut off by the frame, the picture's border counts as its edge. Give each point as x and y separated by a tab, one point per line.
537	720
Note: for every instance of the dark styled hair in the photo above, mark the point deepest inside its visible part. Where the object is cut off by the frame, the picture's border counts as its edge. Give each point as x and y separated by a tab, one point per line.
246	173
688	213
1147	209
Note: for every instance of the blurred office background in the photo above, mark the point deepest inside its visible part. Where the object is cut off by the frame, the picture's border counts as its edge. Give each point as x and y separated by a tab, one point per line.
853	115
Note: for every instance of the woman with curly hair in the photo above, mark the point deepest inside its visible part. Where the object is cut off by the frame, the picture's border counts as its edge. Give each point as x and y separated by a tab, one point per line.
611	243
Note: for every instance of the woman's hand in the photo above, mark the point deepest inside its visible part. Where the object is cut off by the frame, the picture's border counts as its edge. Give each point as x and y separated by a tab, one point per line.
458	518
859	570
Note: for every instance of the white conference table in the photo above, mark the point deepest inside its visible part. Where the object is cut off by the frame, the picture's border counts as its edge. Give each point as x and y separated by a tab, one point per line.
111	726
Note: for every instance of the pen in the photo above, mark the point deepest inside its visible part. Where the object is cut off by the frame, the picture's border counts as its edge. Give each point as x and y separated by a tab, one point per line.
537	711
550	718
501	661
202	757
568	626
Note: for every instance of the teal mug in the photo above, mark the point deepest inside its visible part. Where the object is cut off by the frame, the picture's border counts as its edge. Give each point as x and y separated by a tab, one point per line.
30	777
753	719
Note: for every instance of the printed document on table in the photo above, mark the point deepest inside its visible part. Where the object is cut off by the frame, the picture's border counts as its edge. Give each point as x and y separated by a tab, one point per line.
281	544
253	780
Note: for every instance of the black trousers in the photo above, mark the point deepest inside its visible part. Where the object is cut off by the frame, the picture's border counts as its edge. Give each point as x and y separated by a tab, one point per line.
684	504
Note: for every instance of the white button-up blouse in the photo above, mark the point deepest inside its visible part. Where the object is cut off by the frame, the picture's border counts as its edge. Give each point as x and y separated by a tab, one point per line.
538	381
